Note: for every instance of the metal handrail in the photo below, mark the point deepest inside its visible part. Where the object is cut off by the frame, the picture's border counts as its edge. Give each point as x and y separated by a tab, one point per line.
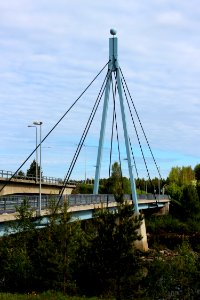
8	204
46	179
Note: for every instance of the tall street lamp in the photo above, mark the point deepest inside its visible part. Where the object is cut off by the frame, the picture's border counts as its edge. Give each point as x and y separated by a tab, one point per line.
85	161
159	182
39	123
147	185
85	164
36	166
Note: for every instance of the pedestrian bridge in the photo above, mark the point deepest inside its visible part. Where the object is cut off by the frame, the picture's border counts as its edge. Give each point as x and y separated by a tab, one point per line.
81	206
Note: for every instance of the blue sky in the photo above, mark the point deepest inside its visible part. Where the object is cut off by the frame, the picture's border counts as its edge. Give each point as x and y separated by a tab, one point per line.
49	52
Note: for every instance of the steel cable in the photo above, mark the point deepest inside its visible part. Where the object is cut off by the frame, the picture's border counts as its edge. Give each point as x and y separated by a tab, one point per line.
140	123
54	127
85	132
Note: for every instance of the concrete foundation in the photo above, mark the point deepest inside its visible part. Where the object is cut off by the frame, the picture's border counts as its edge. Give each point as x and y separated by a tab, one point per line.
142	244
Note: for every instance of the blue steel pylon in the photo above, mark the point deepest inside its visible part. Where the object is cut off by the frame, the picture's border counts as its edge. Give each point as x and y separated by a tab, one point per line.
113	66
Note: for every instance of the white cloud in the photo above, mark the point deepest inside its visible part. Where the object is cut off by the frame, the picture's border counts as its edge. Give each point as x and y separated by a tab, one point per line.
171	18
50	51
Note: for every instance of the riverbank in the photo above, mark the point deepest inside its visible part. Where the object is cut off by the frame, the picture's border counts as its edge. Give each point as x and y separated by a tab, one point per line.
171	240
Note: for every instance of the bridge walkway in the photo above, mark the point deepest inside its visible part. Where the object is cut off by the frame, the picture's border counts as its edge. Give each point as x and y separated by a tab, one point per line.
78	203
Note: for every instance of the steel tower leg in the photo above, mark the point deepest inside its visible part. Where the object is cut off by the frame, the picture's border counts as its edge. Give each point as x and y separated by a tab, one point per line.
126	138
114	67
102	134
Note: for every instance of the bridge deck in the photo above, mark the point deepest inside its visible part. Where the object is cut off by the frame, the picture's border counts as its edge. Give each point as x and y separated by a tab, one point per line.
77	203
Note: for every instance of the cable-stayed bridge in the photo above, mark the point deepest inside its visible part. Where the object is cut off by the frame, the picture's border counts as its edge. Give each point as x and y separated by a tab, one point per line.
114	84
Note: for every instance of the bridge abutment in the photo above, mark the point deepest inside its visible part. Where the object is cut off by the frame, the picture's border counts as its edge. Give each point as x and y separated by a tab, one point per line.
143	243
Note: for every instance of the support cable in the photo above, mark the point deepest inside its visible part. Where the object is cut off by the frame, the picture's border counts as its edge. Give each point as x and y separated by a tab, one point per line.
133	157
141	125
54	127
85	132
140	145
138	135
80	144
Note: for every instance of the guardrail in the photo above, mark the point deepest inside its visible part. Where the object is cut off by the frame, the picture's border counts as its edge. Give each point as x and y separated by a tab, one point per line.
8	204
45	179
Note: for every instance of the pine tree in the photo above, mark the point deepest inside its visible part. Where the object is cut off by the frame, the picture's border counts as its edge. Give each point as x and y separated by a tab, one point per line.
31	172
110	260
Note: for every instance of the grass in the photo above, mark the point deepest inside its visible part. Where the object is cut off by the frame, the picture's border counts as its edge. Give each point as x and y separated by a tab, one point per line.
44	296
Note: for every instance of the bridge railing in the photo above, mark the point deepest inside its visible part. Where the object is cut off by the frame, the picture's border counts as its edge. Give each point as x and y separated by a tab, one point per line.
84	199
8	204
45	179
152	196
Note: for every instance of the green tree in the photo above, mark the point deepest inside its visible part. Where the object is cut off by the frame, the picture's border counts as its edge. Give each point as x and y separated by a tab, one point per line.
110	259
116	171
116	184
181	175
83	188
186	274
190	202
20	174
173	278
187	175
55	252
126	185
24	218
174	175
31	172
197	172
16	266
175	191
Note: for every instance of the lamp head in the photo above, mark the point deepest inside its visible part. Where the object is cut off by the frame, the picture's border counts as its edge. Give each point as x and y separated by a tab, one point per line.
37	122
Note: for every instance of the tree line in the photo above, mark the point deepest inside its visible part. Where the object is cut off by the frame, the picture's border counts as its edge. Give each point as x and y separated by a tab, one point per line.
183	185
32	171
97	257
94	257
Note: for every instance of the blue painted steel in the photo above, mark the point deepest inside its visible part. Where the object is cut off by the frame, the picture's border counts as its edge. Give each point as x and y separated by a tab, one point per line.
102	134
113	67
132	180
113	54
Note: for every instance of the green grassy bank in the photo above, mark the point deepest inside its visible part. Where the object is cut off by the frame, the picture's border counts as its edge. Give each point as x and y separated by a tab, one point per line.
44	296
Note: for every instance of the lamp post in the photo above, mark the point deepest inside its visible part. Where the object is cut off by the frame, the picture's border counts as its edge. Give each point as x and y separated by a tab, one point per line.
159	182
39	123
85	164
147	185
36	167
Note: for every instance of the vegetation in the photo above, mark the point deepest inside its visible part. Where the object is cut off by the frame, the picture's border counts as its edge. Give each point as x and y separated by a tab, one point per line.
50	295
92	258
31	172
97	257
